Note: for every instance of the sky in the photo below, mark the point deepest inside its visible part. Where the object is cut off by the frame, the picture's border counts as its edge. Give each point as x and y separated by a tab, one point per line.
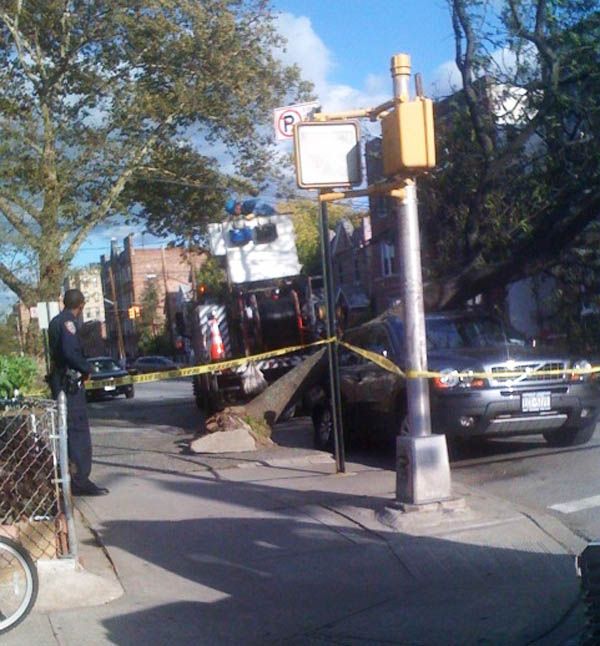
344	47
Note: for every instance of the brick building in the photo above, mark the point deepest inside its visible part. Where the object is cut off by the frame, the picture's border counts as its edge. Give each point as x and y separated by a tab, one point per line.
89	282
128	273
93	330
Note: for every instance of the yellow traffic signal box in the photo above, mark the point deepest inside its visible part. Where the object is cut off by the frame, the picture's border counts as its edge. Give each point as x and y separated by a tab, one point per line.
408	137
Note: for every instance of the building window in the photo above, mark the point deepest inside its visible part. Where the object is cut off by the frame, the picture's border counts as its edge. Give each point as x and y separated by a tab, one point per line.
356	269
388	259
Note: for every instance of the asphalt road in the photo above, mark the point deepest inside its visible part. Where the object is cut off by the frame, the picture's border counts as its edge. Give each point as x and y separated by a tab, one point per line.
565	482
168	403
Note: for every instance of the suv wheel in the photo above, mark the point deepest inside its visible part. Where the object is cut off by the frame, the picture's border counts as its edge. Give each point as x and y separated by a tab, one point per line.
570	436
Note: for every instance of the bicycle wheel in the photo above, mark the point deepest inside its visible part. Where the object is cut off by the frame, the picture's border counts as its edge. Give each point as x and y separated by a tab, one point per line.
18	584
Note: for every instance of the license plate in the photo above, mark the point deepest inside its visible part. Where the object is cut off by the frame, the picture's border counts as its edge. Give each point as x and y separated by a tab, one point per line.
107	388
536	402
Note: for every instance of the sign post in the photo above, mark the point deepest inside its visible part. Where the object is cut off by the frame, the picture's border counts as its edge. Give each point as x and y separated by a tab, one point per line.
45	312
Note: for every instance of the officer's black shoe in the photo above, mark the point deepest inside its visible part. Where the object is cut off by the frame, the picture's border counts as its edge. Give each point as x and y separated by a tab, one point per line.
88	489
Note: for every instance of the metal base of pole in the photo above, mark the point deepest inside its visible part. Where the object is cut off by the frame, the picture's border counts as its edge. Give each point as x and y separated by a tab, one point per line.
422	470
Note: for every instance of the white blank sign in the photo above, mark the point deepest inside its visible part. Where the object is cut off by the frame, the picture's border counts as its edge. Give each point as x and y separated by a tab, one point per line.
327	154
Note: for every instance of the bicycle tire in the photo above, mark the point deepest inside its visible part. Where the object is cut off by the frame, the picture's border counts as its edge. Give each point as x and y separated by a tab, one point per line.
18	584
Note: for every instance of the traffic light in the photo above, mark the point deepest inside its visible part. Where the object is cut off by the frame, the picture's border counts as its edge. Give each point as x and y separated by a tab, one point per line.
408	137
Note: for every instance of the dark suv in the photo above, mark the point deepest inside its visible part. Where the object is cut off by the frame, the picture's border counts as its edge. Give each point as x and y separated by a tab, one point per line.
491	382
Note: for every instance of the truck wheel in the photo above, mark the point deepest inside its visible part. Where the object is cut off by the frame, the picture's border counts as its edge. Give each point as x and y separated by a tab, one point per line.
323	428
207	394
570	436
129	393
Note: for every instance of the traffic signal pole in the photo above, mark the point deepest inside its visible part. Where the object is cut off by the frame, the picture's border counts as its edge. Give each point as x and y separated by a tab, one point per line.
422	465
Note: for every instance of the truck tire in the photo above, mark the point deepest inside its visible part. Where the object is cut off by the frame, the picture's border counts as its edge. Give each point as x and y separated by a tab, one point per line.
207	394
570	436
323	428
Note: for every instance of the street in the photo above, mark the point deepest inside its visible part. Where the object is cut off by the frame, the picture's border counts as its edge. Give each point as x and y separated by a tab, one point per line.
273	547
563	482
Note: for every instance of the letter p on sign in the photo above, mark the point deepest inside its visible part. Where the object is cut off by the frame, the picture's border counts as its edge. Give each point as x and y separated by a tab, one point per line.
286	117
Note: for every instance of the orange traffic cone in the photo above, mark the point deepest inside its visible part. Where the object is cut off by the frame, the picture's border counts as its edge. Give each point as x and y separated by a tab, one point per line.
217	349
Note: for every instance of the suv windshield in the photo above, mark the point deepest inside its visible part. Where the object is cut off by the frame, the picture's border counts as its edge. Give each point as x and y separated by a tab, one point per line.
104	365
450	333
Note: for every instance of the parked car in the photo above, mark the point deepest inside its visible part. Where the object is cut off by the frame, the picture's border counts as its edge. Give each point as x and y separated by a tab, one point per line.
155	363
563	407
106	368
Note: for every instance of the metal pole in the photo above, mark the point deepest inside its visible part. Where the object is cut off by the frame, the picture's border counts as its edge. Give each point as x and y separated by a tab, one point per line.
417	388
422	466
332	348
65	476
419	419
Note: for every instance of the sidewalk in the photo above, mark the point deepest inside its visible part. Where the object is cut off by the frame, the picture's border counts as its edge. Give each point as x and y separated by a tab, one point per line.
278	549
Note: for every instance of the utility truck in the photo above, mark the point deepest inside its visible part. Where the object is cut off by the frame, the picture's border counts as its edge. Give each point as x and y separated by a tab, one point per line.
268	306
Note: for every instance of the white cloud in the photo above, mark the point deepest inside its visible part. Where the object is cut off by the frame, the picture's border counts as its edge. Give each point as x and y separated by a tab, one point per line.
446	80
306	49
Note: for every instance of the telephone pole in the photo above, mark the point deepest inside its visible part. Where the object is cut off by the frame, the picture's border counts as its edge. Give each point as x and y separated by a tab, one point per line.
113	289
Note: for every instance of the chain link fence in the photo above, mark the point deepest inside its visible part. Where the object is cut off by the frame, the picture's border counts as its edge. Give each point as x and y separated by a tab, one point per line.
35	502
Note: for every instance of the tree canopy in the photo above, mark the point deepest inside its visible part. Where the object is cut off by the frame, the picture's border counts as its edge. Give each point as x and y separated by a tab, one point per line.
305	214
103	102
518	178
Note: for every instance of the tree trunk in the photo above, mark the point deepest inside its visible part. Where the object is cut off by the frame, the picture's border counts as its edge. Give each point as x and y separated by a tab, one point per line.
270	404
52	275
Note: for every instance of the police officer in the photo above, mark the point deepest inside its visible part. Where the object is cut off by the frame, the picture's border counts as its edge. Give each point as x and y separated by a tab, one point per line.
68	370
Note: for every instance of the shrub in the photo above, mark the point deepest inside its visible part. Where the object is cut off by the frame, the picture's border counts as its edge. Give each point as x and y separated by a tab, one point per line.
17	373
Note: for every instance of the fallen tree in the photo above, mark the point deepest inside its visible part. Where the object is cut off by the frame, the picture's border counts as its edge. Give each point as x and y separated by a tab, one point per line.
260	414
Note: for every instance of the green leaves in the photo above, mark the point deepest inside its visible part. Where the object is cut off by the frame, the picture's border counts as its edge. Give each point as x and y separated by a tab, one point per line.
16	373
122	107
518	177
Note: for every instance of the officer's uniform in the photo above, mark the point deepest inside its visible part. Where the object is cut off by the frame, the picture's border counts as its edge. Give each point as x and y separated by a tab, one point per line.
65	354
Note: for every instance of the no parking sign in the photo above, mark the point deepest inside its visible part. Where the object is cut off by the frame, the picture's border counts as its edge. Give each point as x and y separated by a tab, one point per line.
286	117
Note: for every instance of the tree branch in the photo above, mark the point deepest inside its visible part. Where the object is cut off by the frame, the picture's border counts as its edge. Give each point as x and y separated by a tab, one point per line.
24	205
20	288
104	207
539	250
17	222
21	44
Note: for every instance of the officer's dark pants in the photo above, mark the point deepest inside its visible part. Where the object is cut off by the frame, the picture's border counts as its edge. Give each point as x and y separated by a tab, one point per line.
78	433
80	442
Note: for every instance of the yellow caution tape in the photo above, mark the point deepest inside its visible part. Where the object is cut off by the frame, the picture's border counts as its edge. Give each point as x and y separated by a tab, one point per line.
379	359
390	366
199	370
375	358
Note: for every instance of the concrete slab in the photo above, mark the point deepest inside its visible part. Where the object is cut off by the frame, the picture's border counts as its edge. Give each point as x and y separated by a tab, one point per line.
238	440
66	584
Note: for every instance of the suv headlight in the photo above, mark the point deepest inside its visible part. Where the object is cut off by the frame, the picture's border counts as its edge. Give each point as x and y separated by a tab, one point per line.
451	378
582	370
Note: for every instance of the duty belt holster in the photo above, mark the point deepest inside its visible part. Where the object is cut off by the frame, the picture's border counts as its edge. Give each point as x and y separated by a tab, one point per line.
71	381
